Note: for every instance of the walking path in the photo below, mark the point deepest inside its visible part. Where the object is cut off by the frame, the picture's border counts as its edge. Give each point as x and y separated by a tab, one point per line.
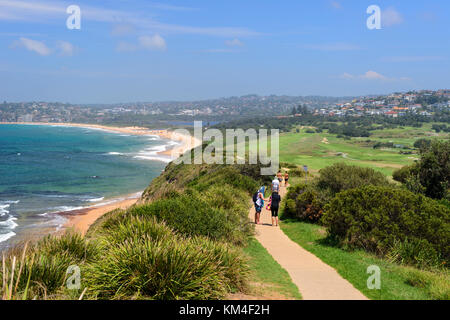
315	279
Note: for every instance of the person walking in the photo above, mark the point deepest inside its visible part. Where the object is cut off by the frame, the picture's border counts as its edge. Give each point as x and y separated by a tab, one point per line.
275	200
286	179
259	204
280	176
275	184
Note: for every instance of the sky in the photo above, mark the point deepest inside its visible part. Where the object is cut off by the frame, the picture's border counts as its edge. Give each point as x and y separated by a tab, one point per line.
140	50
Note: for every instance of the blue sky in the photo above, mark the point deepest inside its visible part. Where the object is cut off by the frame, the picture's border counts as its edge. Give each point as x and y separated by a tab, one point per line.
140	50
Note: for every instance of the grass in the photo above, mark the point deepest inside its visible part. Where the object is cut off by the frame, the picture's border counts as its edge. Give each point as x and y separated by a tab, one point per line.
319	150
145	259
268	272
186	244
397	282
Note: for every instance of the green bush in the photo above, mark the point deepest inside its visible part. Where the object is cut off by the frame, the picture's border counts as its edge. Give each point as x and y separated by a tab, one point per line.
296	173
340	177
434	169
417	252
156	263
376	218
217	213
135	227
422	143
303	202
288	165
404	173
41	270
71	243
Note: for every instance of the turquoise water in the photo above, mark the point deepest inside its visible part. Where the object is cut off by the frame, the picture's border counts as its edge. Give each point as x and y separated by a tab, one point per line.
48	169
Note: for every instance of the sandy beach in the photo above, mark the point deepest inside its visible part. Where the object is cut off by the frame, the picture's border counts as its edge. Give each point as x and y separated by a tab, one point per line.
81	220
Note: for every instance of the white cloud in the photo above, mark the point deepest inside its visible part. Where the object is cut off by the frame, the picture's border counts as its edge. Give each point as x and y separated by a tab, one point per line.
66	48
390	17
32	45
347	76
371	75
234	43
155	42
48	11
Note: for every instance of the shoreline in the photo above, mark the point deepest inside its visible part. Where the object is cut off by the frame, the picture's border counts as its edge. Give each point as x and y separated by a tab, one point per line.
82	219
186	142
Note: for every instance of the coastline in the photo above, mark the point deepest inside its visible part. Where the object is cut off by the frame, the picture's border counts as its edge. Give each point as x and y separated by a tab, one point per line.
82	219
185	142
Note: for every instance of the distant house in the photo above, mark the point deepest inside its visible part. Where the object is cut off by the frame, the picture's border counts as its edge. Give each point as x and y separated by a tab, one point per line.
392	114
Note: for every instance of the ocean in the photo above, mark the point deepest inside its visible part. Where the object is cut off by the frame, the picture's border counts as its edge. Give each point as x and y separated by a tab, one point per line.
50	169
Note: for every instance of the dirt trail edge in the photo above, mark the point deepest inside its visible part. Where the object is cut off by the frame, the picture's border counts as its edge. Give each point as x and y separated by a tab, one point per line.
315	279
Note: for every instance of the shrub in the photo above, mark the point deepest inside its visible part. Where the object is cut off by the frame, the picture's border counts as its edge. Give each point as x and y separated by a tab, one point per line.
71	243
434	169
422	143
218	218
163	265
340	177
136	227
376	218
42	268
296	173
304	203
418	252
402	174
288	165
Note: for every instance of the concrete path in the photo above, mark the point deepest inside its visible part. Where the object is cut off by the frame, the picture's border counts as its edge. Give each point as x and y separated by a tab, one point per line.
315	279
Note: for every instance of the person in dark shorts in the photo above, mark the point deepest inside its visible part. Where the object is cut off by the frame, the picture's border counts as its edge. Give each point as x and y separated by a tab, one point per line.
280	177
286	179
275	205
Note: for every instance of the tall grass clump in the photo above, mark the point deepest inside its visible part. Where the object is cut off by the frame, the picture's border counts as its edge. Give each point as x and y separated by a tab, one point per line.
42	271
191	215
436	284
164	267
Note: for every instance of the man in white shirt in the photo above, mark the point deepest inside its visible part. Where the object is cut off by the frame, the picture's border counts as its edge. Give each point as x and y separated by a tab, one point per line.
276	185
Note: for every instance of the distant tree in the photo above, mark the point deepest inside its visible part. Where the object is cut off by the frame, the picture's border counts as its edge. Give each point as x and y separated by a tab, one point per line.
422	143
434	169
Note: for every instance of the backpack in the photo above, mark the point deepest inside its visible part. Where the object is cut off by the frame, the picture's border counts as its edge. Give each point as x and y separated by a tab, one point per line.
255	196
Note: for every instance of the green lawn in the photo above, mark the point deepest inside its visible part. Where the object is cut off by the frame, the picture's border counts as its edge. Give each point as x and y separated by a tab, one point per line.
319	150
268	273
397	282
